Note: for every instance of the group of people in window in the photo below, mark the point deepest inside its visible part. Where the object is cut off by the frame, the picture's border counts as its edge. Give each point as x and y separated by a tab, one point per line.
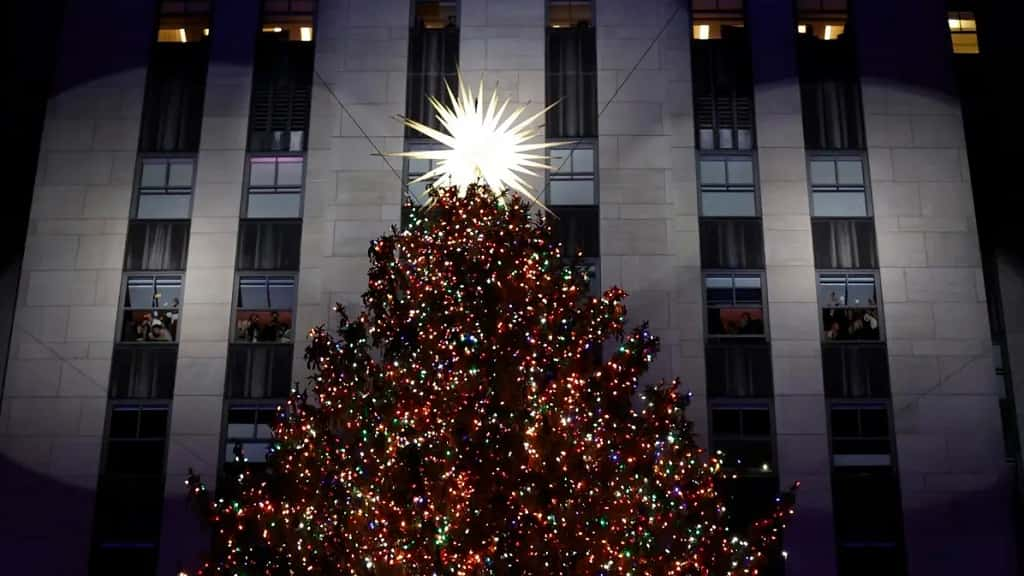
736	322
851	323
262	327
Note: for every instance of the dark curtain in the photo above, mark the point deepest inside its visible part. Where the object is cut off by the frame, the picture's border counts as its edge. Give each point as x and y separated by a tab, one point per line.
433	60
723	91
269	245
259	371
572	82
143	372
844	244
281	92
830	94
173	107
577	228
731	244
154	245
739	370
855	371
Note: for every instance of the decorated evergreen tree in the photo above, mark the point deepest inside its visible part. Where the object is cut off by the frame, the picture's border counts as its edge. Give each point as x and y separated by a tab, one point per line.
465	421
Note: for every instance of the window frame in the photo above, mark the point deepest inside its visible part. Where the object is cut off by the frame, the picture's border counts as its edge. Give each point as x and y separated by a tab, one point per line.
572	146
862	460
818	273
122	308
247	186
168	159
267	275
227	439
728	156
548	125
760	274
750	404
835	157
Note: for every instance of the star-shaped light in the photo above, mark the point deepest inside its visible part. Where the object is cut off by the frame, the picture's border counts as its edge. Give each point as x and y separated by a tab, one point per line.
483	143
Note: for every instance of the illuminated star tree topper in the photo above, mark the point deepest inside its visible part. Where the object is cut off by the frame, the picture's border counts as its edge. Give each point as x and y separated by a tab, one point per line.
482	143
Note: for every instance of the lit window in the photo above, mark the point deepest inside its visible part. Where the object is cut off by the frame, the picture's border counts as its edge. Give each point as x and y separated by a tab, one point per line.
275	187
264	308
571	71
727	187
849	307
183	21
152	304
735	305
716	19
433	60
822	19
963	29
838	187
569	13
291	19
165	189
435	14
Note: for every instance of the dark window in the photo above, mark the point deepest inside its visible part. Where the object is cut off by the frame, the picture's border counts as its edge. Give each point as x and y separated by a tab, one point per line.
739	369
748	498
855	370
264	308
275	187
869	521
846	243
849	307
727	186
269	245
290	20
734	305
172	111
571	70
183	21
433	59
250	433
152	305
829	89
722	77
860	434
281	91
259	370
143	372
155	245
743	435
165	189
731	243
837	187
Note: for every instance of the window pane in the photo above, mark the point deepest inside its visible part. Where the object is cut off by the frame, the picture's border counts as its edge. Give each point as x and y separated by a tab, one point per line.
823	173
719	290
832	290
756	423
180	175
282	293
571	192
418	191
154	175
844	423
728	204
559	163
252	293
741	172
583	161
289	172
286	205
712	172
140	293
725	421
153	423
851	172
123	423
860	291
419	166
840	204
261	172
168	293
748	290
163	206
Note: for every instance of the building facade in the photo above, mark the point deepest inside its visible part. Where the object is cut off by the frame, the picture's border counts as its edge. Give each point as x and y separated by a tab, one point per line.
784	188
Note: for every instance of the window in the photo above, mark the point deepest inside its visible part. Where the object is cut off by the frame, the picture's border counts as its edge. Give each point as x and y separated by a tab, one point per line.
264	308
869	521
151	308
290	19
416	167
433	59
849	307
963	30
847	243
275	187
743	433
856	370
727	186
172	112
259	370
183	21
739	369
571	180
734	305
748	497
731	243
269	245
722	76
165	189
129	499
143	372
250	433
572	199
156	245
281	90
571	70
860	434
837	187
829	86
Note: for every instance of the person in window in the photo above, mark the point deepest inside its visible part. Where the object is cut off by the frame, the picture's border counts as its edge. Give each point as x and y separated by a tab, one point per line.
142	328
274	329
832	332
158	333
253	328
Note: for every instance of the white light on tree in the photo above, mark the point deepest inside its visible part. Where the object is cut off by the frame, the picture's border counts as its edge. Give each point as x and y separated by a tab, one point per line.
482	143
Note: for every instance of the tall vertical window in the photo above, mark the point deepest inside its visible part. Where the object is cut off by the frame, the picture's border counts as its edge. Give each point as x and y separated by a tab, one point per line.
963	31
849	307
433	59
571	70
727	186
723	92
151	307
172	111
274	187
282	77
829	86
572	198
838	186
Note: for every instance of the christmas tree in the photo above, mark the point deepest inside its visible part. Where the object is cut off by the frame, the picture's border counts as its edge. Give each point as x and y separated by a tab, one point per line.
483	414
